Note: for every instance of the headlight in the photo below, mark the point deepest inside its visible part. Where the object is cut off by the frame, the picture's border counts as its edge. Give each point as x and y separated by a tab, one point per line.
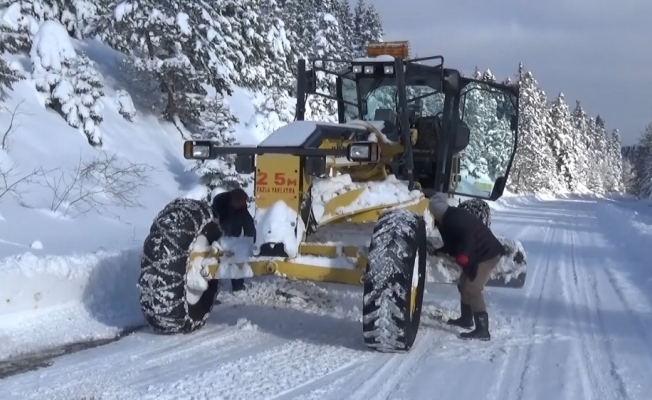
389	69
359	152
201	151
363	152
357	69
369	69
197	150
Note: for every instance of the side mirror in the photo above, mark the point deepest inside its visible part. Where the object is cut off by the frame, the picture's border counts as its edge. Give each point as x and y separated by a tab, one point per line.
499	188
462	137
451	81
311	82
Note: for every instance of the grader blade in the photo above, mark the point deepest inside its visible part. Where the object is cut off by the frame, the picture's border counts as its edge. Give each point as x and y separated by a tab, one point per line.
510	272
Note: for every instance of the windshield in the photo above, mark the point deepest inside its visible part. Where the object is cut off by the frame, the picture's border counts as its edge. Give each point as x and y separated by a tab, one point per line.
375	97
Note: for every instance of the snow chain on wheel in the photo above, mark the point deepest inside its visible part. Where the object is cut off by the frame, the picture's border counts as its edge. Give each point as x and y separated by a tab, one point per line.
479	208
391	310
162	280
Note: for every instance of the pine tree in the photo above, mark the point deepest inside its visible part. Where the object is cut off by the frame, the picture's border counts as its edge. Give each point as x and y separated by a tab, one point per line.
644	174
75	15
597	148
327	44
71	83
561	143
187	46
615	163
367	28
533	167
8	77
628	177
579	121
217	123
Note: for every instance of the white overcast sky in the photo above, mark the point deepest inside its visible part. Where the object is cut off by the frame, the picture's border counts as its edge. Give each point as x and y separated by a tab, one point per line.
595	51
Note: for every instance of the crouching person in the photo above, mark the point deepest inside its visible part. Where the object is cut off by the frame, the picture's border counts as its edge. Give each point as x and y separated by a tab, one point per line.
477	251
231	209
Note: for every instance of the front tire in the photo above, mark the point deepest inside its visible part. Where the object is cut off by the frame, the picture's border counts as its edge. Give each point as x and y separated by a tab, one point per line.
394	282
162	281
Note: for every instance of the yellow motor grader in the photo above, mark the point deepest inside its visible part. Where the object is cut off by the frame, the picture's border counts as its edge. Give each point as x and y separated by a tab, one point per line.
347	202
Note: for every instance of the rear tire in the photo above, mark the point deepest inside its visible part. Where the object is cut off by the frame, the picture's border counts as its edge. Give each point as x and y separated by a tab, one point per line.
162	280
391	305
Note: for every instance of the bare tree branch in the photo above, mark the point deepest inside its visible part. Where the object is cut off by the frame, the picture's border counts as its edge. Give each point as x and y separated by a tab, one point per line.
12	125
96	184
11	182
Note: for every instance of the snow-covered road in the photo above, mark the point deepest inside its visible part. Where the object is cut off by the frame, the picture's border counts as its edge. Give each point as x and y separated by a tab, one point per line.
581	328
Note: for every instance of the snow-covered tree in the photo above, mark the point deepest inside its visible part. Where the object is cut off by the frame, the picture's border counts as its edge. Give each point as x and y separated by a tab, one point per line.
579	121
367	27
534	167
217	126
327	44
628	177
614	165
125	104
560	140
8	77
70	82
185	46
644	170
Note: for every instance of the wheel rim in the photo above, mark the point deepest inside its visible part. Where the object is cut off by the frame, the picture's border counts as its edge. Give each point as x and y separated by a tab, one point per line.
196	283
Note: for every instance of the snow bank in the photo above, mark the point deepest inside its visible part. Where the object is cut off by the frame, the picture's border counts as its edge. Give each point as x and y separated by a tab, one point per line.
85	295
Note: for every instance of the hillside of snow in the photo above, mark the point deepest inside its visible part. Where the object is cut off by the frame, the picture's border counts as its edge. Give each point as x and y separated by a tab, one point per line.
45	155
73	216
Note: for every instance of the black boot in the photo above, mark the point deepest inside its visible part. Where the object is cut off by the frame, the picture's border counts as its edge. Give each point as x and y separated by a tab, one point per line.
237	285
481	330
465	320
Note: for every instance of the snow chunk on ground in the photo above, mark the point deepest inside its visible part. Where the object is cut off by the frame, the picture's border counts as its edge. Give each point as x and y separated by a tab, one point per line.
279	224
125	104
389	192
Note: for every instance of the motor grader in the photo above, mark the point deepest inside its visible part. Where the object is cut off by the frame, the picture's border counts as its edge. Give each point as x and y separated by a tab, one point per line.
347	202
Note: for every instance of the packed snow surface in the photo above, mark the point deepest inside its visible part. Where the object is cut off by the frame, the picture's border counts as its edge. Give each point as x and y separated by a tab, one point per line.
579	329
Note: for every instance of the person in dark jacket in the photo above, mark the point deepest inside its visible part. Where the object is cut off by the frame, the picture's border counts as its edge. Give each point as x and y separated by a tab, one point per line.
231	209
477	251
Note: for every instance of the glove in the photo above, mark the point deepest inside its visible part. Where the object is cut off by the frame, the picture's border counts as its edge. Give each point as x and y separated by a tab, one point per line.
462	260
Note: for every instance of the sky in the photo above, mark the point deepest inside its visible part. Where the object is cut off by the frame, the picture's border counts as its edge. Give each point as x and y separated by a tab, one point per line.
596	51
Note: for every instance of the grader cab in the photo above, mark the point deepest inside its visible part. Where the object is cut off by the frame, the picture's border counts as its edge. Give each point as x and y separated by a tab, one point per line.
347	202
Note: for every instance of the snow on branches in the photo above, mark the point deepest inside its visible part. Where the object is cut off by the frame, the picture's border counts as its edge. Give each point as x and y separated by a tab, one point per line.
71	84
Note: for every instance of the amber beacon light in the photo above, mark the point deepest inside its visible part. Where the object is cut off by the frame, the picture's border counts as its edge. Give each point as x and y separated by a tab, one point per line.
394	49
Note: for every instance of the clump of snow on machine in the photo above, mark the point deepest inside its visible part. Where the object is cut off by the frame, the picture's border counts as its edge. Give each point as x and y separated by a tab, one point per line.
389	193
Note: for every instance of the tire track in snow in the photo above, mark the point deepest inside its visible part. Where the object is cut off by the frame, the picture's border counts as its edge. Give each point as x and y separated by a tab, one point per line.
387	380
599	367
609	308
512	371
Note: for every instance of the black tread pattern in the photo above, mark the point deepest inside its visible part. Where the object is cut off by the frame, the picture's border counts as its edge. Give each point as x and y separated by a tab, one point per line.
162	277
398	237
479	208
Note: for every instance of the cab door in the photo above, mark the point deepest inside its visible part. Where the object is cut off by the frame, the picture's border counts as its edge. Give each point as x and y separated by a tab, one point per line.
491	112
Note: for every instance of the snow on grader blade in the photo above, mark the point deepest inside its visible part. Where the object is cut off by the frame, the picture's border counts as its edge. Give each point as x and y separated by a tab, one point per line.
342	202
